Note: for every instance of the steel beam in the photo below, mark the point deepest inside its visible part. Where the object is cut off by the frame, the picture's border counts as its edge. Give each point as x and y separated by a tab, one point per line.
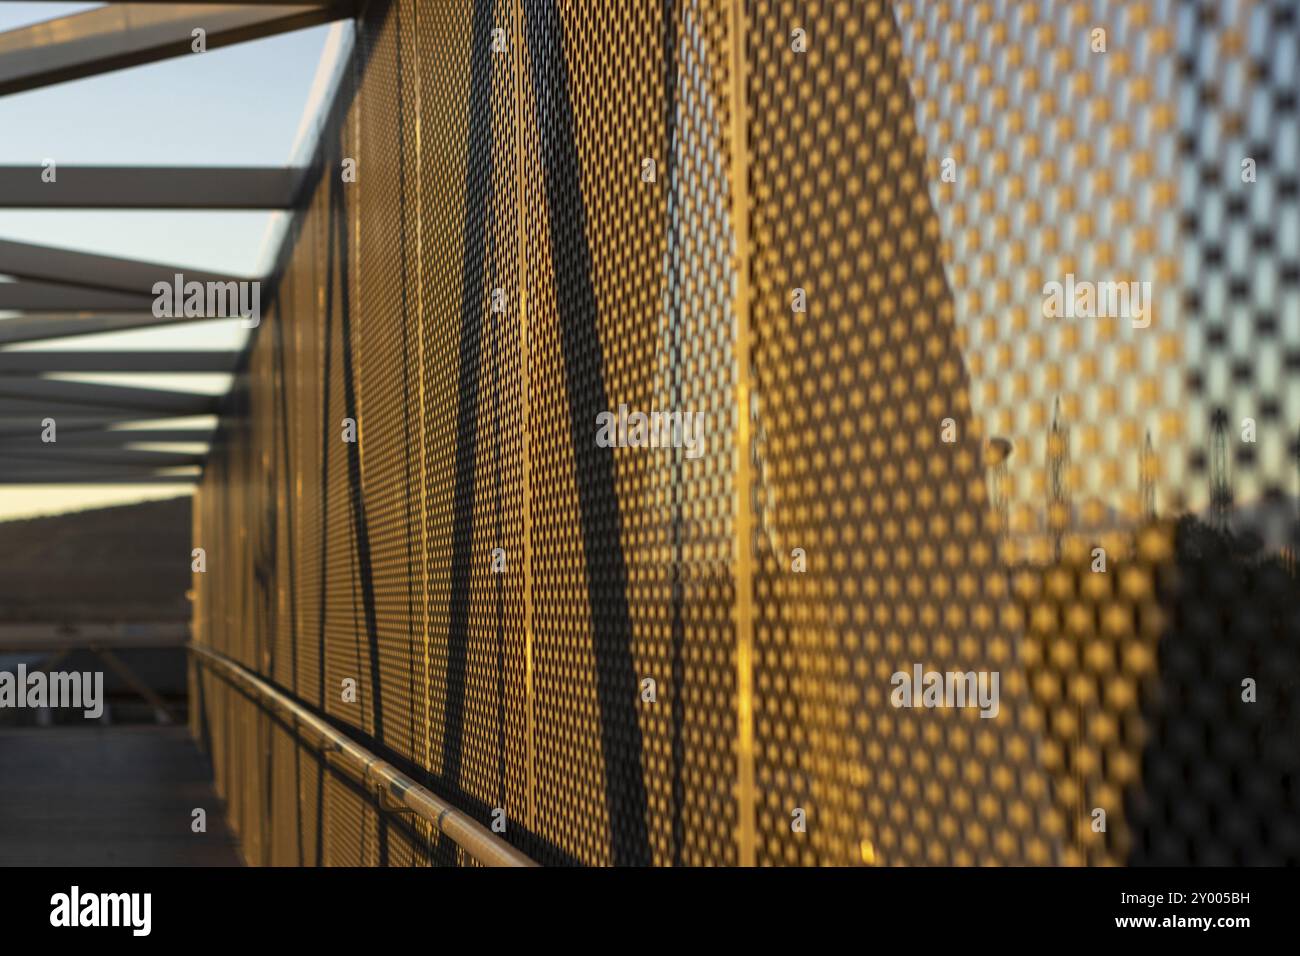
225	3
109	438
34	363
105	397
112	461
53	457
47	297
66	267
18	419
150	187
44	327
21	417
17	425
37	455
91	478
123	35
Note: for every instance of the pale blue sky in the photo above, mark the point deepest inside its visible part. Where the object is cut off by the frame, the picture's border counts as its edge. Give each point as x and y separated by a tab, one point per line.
250	104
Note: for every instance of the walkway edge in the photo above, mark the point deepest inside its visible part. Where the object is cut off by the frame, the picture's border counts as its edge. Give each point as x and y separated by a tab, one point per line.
393	789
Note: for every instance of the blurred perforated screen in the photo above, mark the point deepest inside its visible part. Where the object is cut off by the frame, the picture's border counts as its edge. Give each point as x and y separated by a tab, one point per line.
829	229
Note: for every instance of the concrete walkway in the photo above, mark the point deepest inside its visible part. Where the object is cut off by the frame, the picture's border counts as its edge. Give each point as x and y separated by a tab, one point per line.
110	796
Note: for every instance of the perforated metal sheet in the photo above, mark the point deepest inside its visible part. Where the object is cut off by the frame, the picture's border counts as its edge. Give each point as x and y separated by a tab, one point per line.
917	466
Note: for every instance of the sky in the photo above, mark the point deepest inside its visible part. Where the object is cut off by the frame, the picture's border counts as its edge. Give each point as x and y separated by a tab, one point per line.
250	104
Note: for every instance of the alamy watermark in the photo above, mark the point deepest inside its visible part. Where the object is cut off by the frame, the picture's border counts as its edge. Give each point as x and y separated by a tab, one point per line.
75	908
1093	300
625	429
922	688
79	690
208	300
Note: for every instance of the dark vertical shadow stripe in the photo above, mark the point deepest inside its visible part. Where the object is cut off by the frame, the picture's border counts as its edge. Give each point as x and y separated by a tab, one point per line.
616	682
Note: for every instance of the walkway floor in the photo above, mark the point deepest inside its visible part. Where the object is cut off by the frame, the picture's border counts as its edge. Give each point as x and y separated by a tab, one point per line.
112	796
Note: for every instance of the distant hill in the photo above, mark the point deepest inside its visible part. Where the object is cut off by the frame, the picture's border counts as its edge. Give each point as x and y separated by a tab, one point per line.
127	563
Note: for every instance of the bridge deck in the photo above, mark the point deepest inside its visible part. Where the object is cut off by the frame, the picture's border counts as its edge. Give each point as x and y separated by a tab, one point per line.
112	796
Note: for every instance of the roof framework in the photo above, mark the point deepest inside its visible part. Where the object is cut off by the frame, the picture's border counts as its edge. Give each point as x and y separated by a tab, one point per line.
121	35
60	293
150	187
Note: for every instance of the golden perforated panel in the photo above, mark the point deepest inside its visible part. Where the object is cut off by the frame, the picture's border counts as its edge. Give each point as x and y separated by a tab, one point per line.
1035	193
628	277
469	412
829	228
853	470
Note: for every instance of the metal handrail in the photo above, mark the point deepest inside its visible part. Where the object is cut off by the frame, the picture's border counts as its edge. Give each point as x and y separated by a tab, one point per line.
394	789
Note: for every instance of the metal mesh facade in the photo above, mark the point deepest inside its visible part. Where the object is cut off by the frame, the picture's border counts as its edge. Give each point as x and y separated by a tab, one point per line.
828	228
